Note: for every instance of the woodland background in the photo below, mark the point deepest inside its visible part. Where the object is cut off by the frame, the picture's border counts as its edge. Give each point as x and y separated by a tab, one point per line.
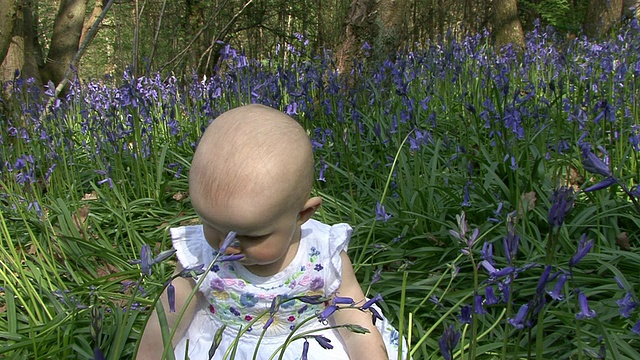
42	37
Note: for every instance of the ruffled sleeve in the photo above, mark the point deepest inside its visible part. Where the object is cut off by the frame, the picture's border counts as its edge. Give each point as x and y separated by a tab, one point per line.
191	246
338	239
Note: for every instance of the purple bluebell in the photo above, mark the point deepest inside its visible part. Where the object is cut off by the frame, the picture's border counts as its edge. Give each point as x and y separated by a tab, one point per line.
227	241
381	213
323	341
171	297
305	350
518	320
448	341
342	300
235	257
489	296
561	204
145	259
584	246
626	305
593	163
376	276
487	252
585	312
495	273
466	200
465	314
192	272
371	301
478	307
97	354
327	312
608	181
542	282
556	293
511	241
636	328
268	323
107	180
375	315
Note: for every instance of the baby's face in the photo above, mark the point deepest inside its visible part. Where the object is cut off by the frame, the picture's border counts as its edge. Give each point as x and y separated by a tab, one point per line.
268	240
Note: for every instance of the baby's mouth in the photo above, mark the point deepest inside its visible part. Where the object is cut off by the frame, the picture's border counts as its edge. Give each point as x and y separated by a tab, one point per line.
234	248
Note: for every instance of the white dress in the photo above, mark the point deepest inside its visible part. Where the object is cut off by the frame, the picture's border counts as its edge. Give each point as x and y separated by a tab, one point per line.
241	300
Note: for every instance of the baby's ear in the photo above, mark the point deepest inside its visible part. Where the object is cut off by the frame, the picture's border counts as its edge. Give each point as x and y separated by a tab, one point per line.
309	209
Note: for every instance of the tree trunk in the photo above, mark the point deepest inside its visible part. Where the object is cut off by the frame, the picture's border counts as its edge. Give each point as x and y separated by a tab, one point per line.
65	40
7	20
379	23
24	52
601	15
506	24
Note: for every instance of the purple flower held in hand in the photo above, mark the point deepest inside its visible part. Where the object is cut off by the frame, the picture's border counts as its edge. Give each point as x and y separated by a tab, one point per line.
227	241
372	301
448	341
328	311
584	246
518	321
305	350
585	312
323	341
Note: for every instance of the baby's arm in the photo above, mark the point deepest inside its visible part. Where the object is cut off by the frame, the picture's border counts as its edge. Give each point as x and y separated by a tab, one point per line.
151	345
360	346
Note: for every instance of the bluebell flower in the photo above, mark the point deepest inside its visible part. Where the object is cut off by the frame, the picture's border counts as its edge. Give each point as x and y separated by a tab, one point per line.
544	278
97	354
465	314
381	213
327	312
231	236
372	301
145	259
448	341
478	307
171	297
305	350
556	294
268	323
585	312
561	204
489	296
511	241
626	305
342	300
608	181
487	252
584	246
636	328
592	163
518	320
495	273
323	341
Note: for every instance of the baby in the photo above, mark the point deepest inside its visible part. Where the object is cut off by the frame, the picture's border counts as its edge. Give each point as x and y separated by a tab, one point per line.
251	177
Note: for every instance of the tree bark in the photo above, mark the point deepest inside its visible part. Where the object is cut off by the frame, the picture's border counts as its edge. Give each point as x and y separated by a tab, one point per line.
601	15
506	24
65	40
379	23
7	20
24	53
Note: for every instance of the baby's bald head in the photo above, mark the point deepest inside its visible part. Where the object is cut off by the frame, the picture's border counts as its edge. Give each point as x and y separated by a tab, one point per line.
252	153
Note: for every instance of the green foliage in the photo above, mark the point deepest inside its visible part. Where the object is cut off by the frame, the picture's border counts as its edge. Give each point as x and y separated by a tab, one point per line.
416	154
